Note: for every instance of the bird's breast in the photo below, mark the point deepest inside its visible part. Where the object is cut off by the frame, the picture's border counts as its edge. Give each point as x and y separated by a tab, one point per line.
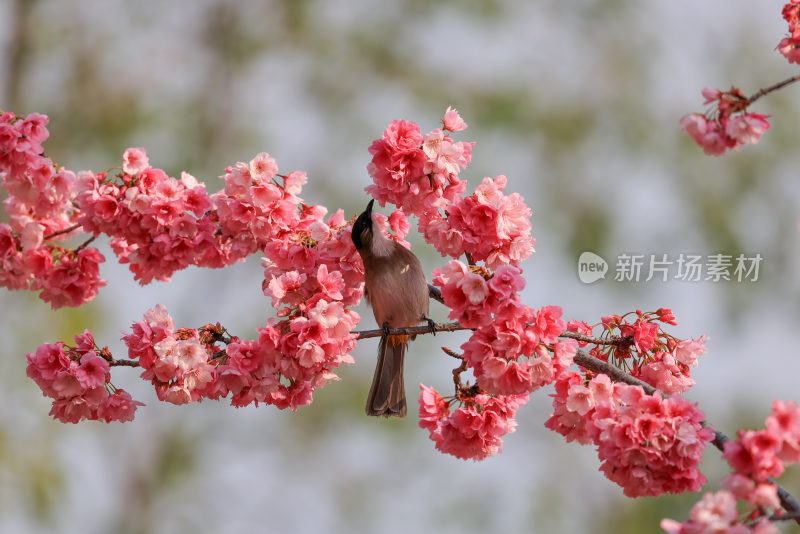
398	292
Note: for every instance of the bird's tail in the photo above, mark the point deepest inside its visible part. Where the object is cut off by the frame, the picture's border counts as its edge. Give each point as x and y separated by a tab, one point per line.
387	396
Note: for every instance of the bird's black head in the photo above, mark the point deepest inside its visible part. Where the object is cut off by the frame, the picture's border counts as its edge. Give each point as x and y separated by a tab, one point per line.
362	228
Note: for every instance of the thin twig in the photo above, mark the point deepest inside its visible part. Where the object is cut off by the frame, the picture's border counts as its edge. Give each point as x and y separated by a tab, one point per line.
452	353
616	340
62	231
771	88
85	244
123	363
457	373
615	373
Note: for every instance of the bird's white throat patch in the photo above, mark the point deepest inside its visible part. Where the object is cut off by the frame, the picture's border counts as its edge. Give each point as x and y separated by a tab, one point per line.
381	245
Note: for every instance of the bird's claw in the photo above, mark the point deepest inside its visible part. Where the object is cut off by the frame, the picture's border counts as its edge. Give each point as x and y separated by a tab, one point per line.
431	324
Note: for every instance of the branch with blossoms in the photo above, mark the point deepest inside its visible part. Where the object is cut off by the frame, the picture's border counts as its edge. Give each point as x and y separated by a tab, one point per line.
727	124
623	396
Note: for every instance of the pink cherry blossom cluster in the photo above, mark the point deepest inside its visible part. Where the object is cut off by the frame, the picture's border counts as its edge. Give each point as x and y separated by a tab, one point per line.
313	275
177	363
41	213
764	453
755	456
419	173
40	190
716	513
727	125
790	45
760	495
157	224
289	360
643	348
475	429
160	225
648	444
488	225
508	352
508	356
77	379
254	208
318	261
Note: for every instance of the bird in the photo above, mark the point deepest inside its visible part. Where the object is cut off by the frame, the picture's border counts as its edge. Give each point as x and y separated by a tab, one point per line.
397	290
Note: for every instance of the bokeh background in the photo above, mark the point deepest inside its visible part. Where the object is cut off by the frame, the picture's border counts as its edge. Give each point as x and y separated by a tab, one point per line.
576	102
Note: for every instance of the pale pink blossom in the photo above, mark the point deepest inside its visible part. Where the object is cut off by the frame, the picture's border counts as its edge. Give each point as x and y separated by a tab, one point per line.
747	127
118	407
92	371
263	167
310	353
32	236
789	47
176	394
715	511
580	399
135	161
331	283
711	94
784	423
284	289
474	287
705	133
452	121
507	280
687	351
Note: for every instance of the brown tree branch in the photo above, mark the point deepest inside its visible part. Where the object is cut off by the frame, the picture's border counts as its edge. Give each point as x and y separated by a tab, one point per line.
123	363
62	231
616	340
791	516
85	244
411	330
435	293
771	88
788	501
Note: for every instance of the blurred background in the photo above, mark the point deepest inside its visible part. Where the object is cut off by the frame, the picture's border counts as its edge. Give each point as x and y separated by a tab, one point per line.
576	102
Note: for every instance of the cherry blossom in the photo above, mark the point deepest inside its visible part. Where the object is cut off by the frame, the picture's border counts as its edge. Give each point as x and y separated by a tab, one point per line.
728	125
475	429
76	378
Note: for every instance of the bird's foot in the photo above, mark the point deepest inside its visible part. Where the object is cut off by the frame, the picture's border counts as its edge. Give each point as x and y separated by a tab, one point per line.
431	324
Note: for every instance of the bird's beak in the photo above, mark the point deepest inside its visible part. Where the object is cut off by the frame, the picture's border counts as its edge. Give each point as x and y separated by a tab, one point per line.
369	207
